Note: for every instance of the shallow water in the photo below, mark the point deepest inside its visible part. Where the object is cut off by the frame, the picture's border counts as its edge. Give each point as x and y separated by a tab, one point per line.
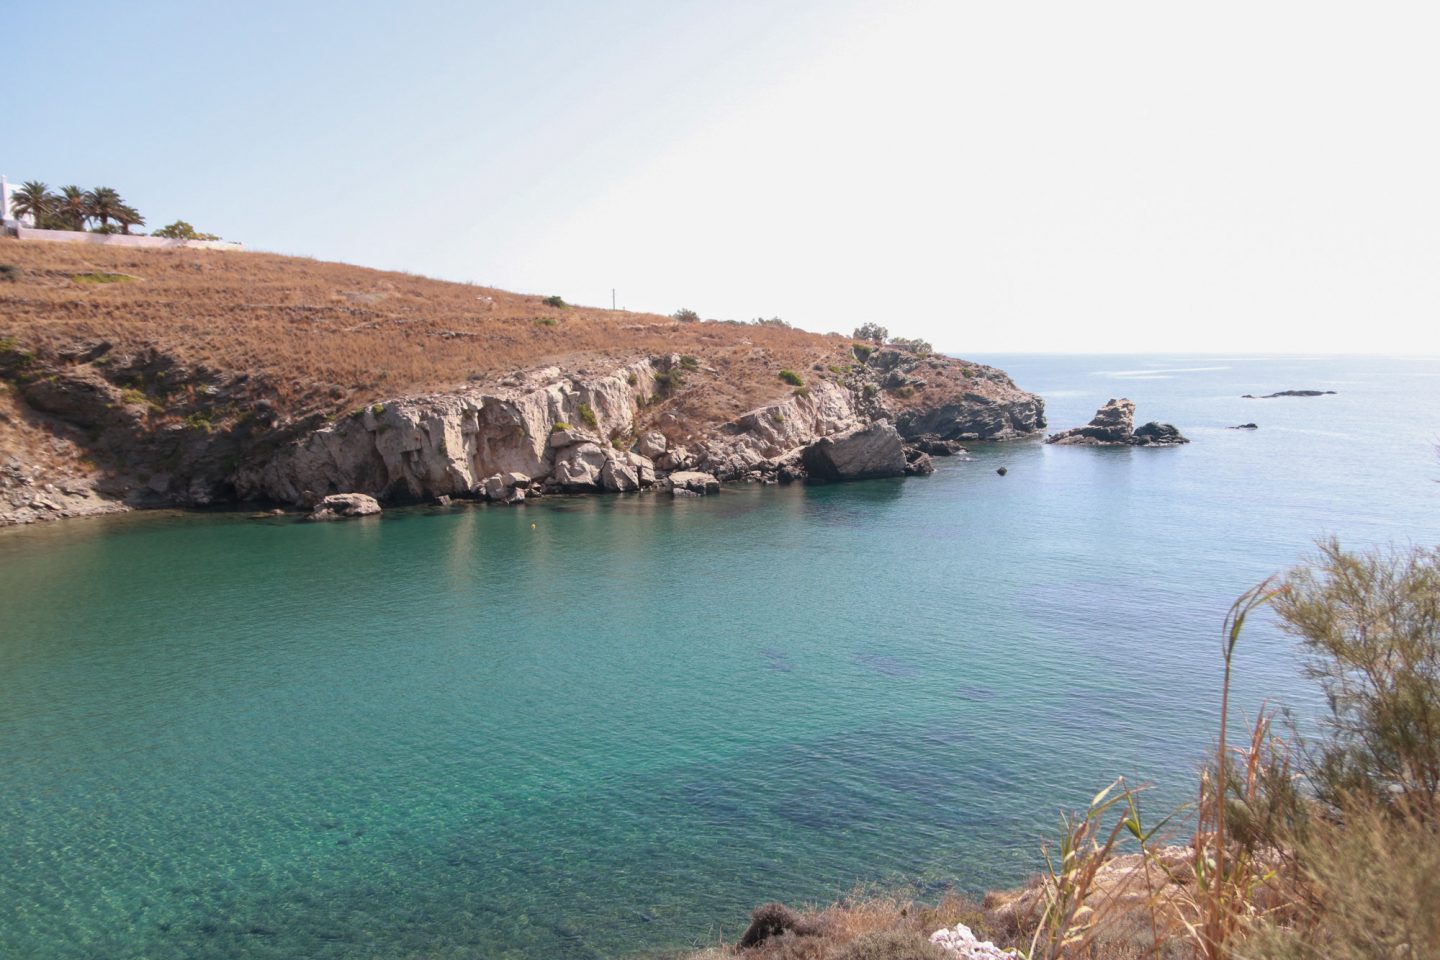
450	733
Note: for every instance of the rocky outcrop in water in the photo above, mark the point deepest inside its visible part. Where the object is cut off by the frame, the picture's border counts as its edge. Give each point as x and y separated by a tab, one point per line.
1114	425
344	506
1289	393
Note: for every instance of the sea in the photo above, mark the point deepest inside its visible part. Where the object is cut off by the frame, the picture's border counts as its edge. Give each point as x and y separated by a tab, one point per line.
610	726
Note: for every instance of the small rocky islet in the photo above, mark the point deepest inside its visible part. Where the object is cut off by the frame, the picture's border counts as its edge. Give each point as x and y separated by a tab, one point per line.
1114	426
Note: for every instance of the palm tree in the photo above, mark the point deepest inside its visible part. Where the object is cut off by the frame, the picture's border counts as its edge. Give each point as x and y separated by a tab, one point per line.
103	203
71	207
33	200
127	216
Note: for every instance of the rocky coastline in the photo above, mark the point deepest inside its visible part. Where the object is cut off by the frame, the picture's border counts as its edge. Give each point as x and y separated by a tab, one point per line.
533	433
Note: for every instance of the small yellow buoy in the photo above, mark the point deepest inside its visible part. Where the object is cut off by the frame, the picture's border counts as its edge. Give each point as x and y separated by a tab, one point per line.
532	526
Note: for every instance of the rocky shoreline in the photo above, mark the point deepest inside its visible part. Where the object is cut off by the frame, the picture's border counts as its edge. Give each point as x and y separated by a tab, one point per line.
533	433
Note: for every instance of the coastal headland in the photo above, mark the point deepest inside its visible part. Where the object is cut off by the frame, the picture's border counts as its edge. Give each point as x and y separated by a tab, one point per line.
162	378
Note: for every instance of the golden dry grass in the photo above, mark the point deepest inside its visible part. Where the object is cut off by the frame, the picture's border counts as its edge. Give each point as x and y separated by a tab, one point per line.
325	333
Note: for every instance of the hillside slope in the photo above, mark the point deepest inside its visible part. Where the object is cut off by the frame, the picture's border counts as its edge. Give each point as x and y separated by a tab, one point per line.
154	377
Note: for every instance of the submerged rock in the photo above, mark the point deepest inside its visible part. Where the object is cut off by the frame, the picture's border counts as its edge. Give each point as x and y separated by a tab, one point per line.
343	506
693	482
1245	426
1289	393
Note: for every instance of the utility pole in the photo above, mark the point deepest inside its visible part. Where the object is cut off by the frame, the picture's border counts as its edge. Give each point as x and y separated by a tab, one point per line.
612	298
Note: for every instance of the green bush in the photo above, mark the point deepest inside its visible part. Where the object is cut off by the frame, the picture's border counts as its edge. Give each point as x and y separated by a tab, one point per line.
921	347
9	272
685	315
689	362
862	351
632	379
546	321
1369	625
587	415
556	302
792	378
559	425
669	382
377	409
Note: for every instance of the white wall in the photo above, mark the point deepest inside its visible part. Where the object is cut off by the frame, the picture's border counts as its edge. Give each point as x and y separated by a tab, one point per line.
119	239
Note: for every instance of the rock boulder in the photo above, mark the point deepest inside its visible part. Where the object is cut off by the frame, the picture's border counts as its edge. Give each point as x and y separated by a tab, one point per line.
874	450
343	506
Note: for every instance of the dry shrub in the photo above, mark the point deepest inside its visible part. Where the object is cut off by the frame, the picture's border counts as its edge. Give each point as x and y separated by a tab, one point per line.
891	945
1373	878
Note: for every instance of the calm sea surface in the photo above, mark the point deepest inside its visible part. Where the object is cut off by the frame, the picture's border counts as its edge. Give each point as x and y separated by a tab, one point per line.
596	726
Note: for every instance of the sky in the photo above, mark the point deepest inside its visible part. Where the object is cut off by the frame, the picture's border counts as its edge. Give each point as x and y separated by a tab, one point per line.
1021	176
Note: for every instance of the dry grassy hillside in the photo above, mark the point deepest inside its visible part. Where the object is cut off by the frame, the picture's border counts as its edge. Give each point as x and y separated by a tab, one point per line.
323	334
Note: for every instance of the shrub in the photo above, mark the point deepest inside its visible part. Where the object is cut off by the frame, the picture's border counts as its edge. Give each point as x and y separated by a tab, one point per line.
802	391
862	351
587	415
1369	625
689	362
632	379
199	421
180	230
771	322
556	302
559	425
872	332
377	409
546	321
921	347
792	378
685	315
9	272
669	382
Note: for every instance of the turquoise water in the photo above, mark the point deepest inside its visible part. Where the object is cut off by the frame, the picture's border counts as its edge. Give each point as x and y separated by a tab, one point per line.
597	726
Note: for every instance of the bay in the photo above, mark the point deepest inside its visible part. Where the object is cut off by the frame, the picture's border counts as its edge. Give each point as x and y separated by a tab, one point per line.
598	726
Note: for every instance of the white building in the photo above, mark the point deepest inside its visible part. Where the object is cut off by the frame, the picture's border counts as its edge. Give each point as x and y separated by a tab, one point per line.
7	212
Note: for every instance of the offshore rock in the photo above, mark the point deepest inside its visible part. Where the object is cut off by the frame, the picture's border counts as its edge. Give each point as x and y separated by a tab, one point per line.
1156	434
343	506
693	481
1112	425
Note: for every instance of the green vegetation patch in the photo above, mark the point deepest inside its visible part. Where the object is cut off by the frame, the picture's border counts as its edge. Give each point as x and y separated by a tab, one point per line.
554	301
689	362
587	416
792	378
9	272
546	321
559	425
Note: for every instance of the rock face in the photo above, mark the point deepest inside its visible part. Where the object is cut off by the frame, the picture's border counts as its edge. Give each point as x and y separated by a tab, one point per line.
1114	425
343	506
535	432
859	453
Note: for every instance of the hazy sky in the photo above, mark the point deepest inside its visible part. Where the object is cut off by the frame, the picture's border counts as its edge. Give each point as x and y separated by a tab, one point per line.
991	176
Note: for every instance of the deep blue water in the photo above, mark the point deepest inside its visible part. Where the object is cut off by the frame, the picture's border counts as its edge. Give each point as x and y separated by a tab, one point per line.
597	726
